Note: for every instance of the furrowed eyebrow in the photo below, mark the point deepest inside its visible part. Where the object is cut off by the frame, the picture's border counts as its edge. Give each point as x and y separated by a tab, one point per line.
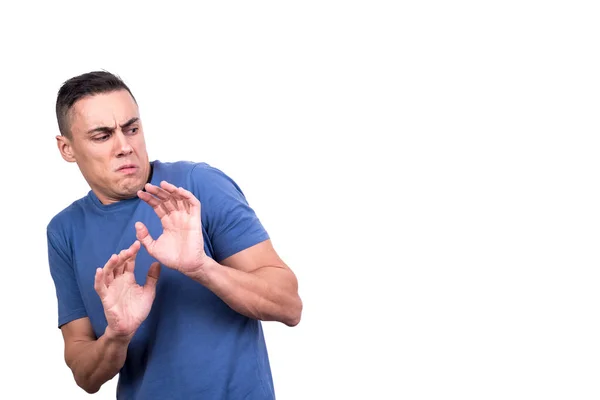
103	129
130	122
107	129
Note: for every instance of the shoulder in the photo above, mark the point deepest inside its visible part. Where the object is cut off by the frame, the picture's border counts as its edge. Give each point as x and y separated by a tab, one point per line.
212	184
182	166
193	172
199	177
61	228
64	219
206	174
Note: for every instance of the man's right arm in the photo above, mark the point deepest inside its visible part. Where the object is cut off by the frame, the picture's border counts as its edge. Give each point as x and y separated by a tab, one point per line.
126	305
93	361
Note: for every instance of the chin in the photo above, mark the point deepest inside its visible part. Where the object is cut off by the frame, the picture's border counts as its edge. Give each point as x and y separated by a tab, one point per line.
130	187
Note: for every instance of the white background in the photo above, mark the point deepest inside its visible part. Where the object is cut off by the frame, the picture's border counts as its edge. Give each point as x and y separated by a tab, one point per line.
429	170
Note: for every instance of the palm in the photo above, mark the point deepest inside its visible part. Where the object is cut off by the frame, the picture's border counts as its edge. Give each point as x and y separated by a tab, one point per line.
126	304
181	245
179	248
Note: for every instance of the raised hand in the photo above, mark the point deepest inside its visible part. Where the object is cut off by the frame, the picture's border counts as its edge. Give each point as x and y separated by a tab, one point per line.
181	245
126	304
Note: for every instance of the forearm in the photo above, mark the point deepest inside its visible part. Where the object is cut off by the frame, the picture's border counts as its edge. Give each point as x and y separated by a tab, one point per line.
95	362
268	294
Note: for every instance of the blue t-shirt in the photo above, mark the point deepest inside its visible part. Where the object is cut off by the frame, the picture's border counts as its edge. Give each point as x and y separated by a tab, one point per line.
192	345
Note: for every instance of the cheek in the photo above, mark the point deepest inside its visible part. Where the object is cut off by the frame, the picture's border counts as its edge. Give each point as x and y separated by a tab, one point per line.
140	147
97	157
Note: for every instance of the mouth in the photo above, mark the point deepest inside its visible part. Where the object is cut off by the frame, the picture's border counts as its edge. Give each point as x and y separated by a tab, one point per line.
127	168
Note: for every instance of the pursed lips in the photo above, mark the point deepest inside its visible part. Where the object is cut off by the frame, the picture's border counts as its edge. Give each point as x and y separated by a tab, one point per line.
126	167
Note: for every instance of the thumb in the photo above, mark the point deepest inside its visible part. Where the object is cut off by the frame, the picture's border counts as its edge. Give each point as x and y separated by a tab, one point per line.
142	234
152	277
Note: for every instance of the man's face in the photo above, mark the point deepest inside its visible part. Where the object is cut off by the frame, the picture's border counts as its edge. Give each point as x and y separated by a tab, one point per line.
107	143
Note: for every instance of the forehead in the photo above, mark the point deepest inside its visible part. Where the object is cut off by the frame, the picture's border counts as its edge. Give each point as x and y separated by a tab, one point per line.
103	109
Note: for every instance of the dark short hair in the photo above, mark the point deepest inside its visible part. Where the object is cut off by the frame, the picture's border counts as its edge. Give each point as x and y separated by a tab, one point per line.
87	84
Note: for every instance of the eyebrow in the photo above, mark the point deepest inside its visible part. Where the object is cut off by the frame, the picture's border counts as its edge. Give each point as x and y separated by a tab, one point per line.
108	129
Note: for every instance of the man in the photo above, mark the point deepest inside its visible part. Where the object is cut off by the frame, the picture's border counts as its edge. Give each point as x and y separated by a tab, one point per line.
162	271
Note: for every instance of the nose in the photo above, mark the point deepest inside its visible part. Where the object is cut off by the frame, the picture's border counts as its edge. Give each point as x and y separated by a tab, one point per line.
124	148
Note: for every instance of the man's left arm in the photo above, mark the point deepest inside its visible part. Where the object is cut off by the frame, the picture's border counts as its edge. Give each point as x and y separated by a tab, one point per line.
254	282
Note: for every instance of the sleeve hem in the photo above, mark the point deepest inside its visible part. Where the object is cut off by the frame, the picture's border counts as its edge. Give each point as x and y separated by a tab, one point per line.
79	313
242	244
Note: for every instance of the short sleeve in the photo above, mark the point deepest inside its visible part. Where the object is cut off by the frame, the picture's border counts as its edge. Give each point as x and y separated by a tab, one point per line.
231	224
70	304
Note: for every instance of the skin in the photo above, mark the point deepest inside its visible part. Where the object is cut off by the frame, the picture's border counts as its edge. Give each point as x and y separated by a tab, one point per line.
106	134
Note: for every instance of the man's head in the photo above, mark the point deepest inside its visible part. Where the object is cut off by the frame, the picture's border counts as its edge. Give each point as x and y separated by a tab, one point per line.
101	131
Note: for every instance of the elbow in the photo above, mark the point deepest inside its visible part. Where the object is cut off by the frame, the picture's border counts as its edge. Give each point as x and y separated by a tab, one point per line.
90	389
292	322
84	382
295	314
87	386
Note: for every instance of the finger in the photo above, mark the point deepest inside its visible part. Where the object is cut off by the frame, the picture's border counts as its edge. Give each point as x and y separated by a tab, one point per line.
153	202
176	197
149	198
191	200
133	250
184	202
142	234
108	270
152	277
130	264
162	197
157	191
129	267
169	187
120	267
99	285
170	205
168	193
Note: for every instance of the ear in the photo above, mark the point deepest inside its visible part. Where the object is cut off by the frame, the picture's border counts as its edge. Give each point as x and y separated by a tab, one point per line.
65	147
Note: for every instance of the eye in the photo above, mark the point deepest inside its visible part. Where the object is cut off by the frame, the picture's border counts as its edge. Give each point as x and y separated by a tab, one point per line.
133	130
100	138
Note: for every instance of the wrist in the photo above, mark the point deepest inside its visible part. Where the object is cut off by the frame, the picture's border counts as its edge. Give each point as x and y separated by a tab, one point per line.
204	270
117	338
